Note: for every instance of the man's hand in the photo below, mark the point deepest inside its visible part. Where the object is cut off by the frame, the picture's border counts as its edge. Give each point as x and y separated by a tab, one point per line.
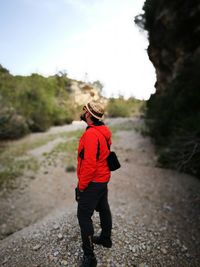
77	194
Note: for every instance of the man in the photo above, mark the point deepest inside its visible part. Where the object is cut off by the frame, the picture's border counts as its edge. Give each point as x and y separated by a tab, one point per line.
93	176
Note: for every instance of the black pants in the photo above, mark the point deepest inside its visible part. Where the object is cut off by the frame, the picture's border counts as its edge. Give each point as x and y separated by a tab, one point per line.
94	197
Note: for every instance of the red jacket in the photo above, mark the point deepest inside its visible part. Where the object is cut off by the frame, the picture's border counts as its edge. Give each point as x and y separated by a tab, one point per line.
90	167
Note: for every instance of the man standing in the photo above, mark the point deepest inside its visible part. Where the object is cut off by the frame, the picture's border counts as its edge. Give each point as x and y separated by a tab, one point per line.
93	176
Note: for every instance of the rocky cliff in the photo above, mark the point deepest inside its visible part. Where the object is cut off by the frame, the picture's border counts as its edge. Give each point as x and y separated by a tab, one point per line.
174	37
173	112
85	92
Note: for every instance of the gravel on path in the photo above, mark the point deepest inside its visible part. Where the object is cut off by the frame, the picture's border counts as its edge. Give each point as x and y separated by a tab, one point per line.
156	215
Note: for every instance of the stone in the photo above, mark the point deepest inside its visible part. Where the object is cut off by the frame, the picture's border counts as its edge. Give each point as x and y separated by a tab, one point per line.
143	247
64	262
6	260
55	253
51	257
184	248
163	250
60	236
143	264
56	227
36	247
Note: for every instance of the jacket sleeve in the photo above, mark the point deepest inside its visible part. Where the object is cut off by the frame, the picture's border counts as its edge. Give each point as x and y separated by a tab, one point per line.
89	163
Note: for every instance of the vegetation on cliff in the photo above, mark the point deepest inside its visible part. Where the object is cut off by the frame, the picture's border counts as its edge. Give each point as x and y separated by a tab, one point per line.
120	107
173	112
33	103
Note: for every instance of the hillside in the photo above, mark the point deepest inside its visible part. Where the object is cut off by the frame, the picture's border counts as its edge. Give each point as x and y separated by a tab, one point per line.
34	103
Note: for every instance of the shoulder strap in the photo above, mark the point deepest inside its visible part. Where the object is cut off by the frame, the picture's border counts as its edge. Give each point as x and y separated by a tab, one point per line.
104	137
98	150
98	146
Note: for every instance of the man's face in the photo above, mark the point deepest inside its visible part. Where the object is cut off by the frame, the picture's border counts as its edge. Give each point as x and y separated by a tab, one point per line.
84	114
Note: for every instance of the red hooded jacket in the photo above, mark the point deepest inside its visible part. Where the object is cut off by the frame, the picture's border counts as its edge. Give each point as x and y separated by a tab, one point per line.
92	153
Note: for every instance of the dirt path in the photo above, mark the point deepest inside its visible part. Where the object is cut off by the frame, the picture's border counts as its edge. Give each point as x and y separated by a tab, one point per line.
155	213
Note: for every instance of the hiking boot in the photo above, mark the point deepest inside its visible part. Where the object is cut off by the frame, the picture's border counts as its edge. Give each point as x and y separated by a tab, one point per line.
105	242
89	261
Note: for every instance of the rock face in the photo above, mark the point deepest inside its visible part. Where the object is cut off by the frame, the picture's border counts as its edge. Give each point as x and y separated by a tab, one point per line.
173	112
174	35
84	92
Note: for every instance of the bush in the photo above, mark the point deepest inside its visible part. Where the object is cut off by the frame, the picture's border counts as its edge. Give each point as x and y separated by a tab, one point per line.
64	114
174	120
36	103
12	125
119	107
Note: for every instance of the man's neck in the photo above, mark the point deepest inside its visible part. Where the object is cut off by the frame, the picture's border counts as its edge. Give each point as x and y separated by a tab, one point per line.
89	123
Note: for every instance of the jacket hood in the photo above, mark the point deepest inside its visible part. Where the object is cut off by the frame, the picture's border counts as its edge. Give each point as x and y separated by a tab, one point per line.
103	129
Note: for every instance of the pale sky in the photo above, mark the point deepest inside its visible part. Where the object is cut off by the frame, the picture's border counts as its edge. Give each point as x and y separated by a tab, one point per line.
97	37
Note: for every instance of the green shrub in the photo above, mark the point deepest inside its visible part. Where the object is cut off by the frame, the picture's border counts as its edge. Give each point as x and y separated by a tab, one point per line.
173	118
63	114
70	168
119	107
12	125
36	103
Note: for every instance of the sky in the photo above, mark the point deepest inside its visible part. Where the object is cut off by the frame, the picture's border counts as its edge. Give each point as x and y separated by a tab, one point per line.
89	39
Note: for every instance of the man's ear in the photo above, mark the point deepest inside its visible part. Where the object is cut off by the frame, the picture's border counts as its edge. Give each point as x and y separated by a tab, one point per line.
87	115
